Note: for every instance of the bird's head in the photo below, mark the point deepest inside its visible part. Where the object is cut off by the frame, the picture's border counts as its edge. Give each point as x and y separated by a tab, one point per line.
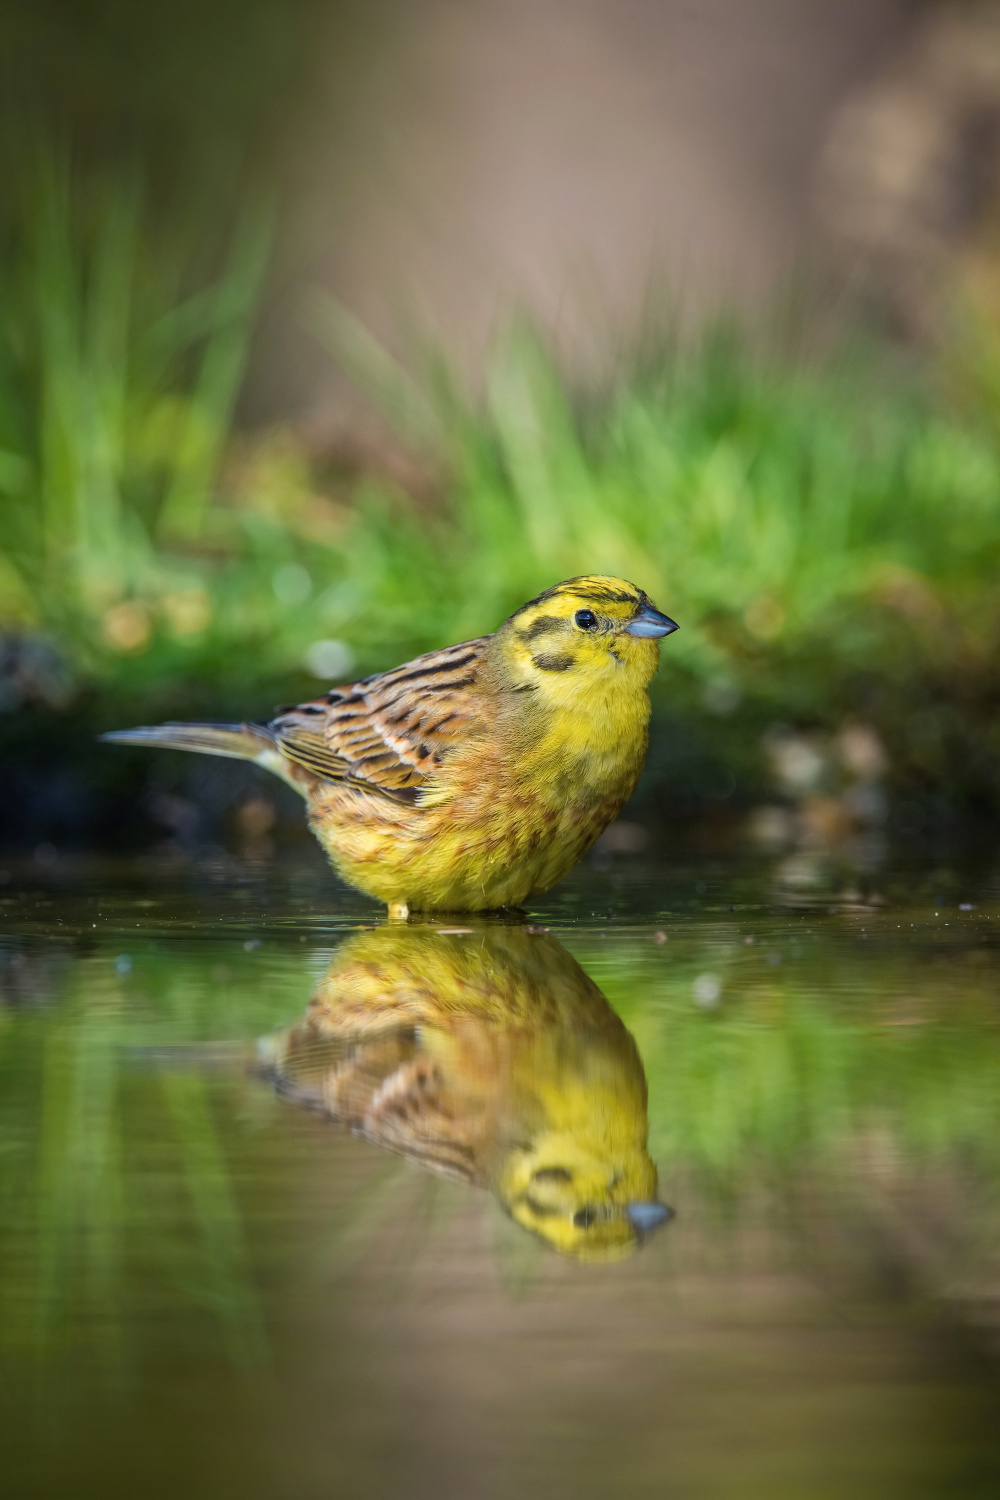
591	1196
580	632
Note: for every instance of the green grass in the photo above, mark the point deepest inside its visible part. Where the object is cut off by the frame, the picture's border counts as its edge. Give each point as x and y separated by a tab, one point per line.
826	533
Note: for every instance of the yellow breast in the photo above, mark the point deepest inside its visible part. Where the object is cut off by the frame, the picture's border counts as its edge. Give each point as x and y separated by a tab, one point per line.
508	816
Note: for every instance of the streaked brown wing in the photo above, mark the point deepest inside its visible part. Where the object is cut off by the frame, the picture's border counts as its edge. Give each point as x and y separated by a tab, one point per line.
414	1113
382	1088
389	732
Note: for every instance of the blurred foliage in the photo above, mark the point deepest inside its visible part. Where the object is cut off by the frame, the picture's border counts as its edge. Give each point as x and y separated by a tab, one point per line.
825	532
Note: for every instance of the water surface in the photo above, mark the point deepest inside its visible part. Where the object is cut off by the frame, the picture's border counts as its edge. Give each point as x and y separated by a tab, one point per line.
294	1203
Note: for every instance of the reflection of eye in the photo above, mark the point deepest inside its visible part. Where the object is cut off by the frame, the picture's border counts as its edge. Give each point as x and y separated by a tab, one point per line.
586	619
552	1174
584	1217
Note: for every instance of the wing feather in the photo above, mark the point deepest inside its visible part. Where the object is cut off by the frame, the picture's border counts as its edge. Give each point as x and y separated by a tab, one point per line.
390	732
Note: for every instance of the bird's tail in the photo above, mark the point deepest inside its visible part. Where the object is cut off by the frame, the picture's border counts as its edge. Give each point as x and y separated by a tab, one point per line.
237	741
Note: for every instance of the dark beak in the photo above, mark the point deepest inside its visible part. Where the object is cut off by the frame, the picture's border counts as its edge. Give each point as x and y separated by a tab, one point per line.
648	623
645	1217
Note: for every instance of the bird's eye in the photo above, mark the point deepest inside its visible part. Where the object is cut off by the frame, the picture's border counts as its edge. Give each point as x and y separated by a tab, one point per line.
586	619
584	1217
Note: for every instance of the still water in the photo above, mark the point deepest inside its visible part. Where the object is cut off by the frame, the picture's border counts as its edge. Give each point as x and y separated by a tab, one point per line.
687	1184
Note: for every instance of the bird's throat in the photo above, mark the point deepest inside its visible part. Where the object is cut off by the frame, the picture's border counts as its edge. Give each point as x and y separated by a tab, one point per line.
595	740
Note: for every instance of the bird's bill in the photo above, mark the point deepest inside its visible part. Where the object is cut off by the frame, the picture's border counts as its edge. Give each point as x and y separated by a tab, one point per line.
648	623
645	1217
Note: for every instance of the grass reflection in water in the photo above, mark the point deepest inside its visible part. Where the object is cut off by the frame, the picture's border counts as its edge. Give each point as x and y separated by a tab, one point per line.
115	1178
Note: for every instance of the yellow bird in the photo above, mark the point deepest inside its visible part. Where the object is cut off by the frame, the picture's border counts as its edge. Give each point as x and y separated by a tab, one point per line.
473	777
489	1056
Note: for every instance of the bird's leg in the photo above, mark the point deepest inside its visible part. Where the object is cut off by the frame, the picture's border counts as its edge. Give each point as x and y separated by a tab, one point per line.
398	911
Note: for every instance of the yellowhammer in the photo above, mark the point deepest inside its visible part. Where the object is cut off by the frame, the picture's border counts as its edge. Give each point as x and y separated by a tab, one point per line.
489	1056
472	777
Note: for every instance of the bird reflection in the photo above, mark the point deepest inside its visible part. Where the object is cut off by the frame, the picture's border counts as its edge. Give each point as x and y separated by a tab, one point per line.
486	1054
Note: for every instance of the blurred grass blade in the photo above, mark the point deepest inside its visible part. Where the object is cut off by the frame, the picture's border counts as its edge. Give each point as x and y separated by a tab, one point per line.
370	366
208	418
79	1198
222	1280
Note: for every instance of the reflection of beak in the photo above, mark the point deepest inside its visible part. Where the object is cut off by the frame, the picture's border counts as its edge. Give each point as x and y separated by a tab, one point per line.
648	623
645	1217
